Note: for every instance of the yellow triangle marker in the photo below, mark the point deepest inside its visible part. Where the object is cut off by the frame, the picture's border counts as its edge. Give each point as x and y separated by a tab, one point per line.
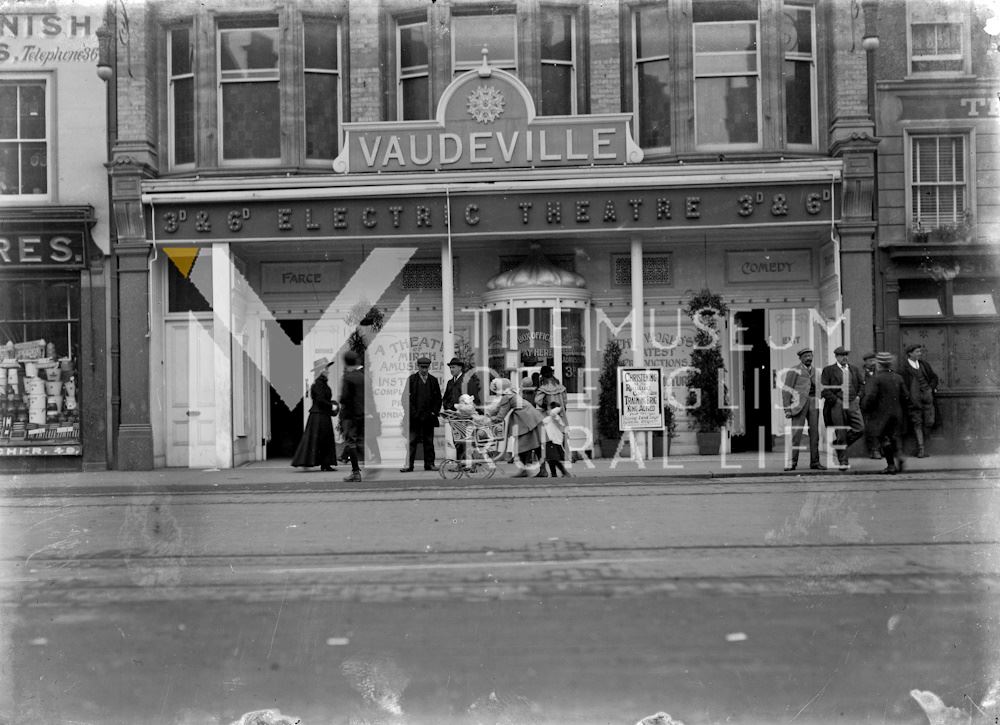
182	257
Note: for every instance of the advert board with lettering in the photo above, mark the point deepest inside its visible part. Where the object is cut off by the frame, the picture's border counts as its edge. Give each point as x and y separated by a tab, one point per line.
640	399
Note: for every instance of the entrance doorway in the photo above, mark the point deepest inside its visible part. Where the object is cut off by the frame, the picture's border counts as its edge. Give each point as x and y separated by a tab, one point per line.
753	385
285	425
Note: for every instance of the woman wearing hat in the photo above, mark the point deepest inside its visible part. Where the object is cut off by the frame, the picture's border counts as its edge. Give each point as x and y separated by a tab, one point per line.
525	422
317	446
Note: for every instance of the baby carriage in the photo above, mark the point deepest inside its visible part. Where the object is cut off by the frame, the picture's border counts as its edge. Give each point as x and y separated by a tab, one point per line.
482	438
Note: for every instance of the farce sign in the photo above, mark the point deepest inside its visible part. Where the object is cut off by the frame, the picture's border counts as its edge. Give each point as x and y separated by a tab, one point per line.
486	119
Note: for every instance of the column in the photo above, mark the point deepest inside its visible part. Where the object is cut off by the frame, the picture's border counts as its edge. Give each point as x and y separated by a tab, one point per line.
222	324
447	300
638	351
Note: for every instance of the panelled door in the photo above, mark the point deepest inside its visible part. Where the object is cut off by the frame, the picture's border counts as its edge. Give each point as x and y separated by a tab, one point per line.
190	390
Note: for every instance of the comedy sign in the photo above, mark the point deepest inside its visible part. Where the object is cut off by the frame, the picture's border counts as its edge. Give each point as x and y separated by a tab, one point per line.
640	399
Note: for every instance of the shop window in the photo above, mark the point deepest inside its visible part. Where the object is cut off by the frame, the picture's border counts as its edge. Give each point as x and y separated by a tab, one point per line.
798	30
974	297
726	70
180	95
558	57
24	138
938	37
321	51
249	105
497	32
413	96
651	76
920	298
190	291
655	270
574	358
938	185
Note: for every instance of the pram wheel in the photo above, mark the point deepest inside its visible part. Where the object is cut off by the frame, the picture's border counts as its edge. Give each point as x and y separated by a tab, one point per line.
450	469
481	469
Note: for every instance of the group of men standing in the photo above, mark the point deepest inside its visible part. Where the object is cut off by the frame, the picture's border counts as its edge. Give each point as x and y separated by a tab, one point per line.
876	403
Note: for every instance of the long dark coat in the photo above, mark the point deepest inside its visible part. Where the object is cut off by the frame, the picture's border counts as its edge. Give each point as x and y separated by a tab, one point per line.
317	446
884	403
421	410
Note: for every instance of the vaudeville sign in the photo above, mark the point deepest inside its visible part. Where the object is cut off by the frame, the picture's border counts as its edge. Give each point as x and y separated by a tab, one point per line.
640	399
486	119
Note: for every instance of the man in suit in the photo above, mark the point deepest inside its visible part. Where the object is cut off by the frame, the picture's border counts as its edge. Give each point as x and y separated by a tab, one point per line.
841	385
352	413
460	383
798	398
421	405
868	372
921	385
885	403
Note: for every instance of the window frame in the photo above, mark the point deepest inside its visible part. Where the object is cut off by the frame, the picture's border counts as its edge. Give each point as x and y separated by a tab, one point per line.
635	63
910	135
171	107
572	63
221	27
46	79
813	81
465	66
338	72
962	20
426	73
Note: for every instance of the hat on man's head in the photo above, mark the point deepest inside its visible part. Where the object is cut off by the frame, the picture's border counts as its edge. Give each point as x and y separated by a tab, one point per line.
351	358
456	361
321	364
803	351
883	358
841	351
914	346
869	355
423	360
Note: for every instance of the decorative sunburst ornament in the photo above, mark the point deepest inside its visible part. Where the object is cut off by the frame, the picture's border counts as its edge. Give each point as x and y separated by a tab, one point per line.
485	104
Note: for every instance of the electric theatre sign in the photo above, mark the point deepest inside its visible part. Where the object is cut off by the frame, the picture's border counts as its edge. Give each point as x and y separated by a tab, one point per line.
486	119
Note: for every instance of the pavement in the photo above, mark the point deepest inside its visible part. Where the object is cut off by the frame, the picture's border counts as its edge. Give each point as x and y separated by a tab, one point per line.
665	470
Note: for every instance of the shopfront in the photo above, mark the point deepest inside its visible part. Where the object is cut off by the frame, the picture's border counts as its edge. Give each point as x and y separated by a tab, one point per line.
508	263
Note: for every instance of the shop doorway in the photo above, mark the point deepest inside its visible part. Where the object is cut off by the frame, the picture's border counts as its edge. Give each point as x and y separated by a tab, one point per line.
284	425
752	383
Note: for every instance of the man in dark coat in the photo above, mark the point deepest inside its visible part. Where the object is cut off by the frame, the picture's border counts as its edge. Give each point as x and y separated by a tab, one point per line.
798	398
921	385
841	385
352	413
461	382
868	372
421	405
884	403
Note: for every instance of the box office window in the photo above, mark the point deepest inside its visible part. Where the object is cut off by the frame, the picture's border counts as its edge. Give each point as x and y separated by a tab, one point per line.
24	138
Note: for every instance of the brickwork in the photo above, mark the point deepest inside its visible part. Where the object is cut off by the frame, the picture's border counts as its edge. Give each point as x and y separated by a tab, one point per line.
366	67
136	84
848	65
605	57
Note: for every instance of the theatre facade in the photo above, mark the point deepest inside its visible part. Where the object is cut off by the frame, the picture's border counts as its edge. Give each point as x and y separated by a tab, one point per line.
509	240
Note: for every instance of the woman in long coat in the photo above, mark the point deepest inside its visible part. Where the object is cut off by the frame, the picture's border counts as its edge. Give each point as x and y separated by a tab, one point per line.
317	446
525	422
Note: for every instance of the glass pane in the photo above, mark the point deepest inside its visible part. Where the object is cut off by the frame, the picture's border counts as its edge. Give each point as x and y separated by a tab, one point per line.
974	297
949	39
725	63
573	353
726	110
798	102
249	49
920	298
321	44
651	36
714	11
922	37
724	38
8	111
57	301
10	174
796	30
497	32
31	305
184	121
58	333
180	51
321	115
557	90
654	104
413	45
557	35
34	168
32	111
192	293
937	66
416	99
250	121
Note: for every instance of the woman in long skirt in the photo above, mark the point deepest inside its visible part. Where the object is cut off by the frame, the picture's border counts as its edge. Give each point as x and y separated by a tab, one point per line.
317	446
525	423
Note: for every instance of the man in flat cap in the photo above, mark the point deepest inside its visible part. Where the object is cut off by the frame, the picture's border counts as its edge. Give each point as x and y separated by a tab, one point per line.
798	398
884	403
921	385
421	405
841	392
460	383
868	371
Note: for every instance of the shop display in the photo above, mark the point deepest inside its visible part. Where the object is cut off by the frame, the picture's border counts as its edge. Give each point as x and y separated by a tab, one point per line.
38	400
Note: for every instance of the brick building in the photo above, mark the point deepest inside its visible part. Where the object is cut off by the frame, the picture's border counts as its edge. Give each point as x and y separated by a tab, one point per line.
514	183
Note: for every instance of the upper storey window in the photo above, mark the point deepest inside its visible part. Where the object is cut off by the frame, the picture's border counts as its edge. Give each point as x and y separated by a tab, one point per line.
24	137
558	58
413	96
938	37
798	30
651	87
261	90
471	33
